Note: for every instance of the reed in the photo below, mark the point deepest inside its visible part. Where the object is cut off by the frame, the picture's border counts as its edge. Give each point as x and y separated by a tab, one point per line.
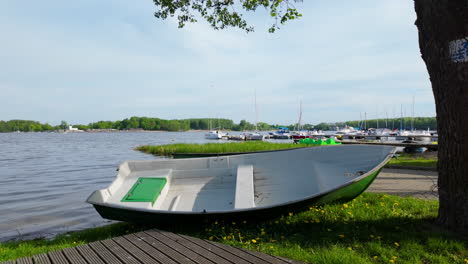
167	150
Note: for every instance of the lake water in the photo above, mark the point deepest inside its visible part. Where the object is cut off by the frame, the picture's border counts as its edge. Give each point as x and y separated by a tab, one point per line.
45	178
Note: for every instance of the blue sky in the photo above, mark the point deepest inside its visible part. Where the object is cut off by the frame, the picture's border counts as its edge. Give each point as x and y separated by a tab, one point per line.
85	61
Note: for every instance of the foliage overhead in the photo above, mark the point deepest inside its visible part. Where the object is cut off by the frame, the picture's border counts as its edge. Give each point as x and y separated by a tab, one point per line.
224	13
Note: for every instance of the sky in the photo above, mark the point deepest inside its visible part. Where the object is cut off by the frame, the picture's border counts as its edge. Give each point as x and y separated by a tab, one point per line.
85	61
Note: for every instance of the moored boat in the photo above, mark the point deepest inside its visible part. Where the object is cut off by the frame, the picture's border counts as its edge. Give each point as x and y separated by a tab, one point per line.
250	185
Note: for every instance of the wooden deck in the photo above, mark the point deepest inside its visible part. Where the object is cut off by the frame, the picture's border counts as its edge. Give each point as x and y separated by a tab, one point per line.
153	246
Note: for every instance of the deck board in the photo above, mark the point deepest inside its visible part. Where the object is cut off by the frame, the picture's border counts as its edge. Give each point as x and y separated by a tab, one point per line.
74	256
41	259
220	252
57	257
24	261
120	252
176	256
240	253
104	253
140	243
153	247
179	248
135	251
192	246
89	254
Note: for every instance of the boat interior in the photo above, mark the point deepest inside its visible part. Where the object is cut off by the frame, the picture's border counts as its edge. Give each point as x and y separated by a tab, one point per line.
227	183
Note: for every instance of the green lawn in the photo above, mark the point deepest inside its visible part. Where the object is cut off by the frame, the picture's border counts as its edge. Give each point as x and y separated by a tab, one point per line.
167	150
373	228
417	160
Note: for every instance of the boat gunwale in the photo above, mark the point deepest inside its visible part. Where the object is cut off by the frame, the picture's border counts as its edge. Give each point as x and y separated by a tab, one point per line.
241	210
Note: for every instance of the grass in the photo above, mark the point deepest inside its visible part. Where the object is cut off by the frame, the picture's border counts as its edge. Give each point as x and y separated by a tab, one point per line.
167	150
415	160
373	228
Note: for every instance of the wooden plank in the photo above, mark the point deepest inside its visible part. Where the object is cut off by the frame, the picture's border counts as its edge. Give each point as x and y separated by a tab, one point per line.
176	256
179	248
74	256
25	260
289	260
89	254
149	249
9	262
41	259
118	251
104	253
136	252
240	253
266	257
192	246
216	250
57	257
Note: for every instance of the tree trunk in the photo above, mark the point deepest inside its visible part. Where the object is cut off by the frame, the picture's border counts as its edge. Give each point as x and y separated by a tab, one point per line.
443	41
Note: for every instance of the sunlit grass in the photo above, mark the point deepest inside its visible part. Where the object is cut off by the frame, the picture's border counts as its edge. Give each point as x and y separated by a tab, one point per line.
249	146
413	160
373	228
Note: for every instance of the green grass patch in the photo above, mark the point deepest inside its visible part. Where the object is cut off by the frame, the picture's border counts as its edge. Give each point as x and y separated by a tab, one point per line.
416	160
167	150
373	228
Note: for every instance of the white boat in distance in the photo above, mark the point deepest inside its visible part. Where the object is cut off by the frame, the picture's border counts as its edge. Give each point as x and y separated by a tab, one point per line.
215	134
248	186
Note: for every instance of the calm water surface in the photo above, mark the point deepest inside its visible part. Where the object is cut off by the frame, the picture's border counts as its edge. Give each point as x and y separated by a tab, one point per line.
45	178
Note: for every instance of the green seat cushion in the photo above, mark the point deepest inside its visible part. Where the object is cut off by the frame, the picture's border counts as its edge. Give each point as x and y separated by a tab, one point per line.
145	190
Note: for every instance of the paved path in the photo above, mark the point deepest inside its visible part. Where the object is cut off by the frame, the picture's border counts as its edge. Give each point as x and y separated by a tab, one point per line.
416	183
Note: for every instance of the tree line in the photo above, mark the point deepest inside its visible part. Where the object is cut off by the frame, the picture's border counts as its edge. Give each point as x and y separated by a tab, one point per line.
149	123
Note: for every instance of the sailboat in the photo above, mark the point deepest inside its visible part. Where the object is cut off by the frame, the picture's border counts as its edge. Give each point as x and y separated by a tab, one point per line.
215	134
254	135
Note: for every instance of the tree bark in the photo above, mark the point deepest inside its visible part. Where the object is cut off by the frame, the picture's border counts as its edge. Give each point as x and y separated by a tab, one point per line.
443	41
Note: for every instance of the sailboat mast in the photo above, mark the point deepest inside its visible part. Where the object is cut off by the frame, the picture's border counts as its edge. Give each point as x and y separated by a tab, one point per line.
412	117
300	116
256	110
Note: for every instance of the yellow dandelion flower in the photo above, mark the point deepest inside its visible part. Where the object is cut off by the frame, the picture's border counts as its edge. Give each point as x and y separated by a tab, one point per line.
394	257
341	235
290	214
375	257
329	230
233	223
254	241
391	261
271	247
317	221
224	238
216	222
345	205
222	227
371	236
396	244
276	222
310	208
350	213
323	211
287	222
466	260
210	238
350	248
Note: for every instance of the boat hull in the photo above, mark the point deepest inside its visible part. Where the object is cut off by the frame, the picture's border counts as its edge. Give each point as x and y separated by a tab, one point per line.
342	194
